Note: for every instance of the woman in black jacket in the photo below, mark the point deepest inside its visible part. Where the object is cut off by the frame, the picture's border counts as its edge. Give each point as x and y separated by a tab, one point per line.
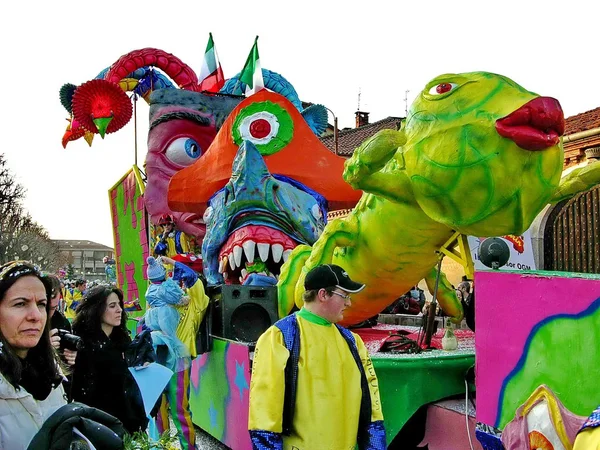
101	377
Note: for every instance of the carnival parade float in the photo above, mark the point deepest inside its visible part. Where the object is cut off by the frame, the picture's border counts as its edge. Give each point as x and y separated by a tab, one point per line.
236	170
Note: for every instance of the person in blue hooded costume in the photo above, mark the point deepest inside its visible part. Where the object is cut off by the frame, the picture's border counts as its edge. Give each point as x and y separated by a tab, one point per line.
176	307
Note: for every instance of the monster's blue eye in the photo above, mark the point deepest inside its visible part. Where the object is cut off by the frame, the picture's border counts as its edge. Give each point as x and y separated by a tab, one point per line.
183	151
192	148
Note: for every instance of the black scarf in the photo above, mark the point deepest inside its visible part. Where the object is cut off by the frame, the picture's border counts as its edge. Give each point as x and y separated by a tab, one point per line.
35	383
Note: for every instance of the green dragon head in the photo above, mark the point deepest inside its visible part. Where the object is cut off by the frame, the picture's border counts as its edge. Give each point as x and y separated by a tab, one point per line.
483	154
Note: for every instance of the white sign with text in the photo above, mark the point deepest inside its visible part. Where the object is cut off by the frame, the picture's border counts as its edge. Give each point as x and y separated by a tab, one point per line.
521	252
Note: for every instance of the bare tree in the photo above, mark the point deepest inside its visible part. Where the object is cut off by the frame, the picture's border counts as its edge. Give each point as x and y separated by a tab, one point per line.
20	236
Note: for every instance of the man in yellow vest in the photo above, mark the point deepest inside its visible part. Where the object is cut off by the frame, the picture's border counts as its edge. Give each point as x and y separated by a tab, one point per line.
72	299
313	384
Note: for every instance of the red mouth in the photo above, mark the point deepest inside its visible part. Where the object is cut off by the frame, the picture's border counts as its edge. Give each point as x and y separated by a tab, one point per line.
246	245
537	125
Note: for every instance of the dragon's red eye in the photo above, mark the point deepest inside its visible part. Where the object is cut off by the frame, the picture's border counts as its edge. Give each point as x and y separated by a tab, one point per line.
260	128
443	87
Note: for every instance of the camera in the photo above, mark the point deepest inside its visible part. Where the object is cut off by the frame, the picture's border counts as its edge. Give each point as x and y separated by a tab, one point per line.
69	341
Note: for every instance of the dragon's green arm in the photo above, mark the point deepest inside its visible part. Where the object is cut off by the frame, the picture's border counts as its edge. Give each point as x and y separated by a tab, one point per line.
377	167
579	180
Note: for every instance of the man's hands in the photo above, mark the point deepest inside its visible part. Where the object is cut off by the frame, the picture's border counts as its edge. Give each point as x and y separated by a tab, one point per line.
68	355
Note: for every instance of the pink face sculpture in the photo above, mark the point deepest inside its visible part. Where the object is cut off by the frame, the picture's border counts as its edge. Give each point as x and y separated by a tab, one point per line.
182	126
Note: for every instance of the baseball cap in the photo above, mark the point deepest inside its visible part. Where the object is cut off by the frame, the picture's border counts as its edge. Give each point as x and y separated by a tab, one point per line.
328	275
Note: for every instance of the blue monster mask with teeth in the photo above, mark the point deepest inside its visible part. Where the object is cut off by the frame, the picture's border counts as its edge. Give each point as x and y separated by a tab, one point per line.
255	221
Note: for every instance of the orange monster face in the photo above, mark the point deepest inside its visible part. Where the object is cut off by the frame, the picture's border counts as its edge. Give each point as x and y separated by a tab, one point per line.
263	187
287	144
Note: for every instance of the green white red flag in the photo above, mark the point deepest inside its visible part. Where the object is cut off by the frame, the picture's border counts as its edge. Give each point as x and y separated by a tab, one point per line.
211	75
252	72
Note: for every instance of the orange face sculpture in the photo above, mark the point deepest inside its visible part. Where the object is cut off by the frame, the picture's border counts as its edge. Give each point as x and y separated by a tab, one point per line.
263	186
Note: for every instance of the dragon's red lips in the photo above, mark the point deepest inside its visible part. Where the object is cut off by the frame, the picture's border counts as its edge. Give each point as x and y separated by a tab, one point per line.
537	125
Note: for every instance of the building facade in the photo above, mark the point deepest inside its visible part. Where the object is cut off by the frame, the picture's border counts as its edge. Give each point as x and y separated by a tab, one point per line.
86	257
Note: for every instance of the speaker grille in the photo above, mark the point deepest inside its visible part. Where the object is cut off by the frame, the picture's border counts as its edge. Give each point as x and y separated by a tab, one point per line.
247	311
249	321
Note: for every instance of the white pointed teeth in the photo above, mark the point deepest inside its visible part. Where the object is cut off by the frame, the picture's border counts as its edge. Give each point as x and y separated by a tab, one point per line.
249	247
263	251
286	255
277	250
234	260
237	254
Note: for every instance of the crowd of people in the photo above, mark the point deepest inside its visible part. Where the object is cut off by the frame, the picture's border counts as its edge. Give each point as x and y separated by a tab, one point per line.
66	342
57	374
48	361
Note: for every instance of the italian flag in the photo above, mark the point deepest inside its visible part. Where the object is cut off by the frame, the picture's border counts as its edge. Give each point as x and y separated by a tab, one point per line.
211	74
252	72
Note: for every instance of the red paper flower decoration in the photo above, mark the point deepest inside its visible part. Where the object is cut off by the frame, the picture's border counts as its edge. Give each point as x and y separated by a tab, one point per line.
101	99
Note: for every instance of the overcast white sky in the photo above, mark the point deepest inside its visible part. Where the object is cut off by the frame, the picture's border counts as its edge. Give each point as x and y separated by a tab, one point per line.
327	50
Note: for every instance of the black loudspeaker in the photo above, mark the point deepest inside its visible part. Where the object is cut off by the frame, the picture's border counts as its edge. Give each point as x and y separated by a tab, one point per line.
247	311
494	252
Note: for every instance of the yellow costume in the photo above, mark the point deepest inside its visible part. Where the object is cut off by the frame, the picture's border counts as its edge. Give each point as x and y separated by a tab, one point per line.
173	243
328	390
588	437
174	326
71	302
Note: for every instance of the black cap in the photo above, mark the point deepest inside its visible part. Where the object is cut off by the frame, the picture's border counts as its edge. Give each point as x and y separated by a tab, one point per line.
331	275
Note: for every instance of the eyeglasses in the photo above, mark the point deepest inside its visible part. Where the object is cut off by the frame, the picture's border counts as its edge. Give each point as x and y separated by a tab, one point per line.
344	296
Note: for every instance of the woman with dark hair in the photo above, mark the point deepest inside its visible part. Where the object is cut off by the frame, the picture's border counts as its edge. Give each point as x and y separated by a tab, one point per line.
101	378
30	377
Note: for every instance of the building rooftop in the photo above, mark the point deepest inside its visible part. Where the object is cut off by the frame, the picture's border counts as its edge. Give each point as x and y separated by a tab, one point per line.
349	139
80	245
583	121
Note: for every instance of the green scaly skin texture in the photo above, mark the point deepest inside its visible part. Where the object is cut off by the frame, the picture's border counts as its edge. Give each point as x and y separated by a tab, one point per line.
446	170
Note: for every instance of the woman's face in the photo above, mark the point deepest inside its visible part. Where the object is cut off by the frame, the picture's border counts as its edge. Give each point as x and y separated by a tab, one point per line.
54	301
23	314
113	311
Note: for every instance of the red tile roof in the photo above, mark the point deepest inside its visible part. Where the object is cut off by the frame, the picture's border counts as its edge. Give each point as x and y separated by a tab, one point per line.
582	122
348	140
